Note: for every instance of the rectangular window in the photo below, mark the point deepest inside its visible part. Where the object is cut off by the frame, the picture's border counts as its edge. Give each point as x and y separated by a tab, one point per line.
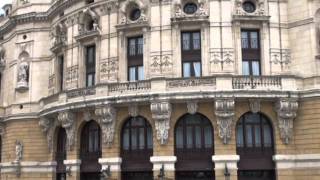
250	43
61	65
90	65
135	59
191	54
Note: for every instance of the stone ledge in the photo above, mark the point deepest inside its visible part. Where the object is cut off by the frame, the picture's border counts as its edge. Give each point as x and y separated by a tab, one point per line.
167	161
226	160
299	161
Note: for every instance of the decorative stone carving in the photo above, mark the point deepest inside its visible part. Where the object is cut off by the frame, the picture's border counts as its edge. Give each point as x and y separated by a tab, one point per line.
72	77
287	111
255	105
59	36
107	117
109	69
202	11
260	8
67	120
161	113
2	59
222	56
192	82
19	151
192	107
86	17
280	57
161	62
133	110
224	111
23	76
48	129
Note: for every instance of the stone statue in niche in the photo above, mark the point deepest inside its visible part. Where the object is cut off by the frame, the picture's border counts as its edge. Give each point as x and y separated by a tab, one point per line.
23	75
19	151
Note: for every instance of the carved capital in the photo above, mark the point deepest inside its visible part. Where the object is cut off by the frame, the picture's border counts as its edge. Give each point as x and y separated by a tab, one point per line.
287	111
161	113
192	107
224	111
106	116
67	120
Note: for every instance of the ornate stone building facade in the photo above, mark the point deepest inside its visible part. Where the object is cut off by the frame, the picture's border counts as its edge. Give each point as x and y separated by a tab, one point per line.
160	89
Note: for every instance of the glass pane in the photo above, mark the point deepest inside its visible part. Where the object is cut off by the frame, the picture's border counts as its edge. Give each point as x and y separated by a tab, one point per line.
140	73
141	138
186	70
198	137
186	41
256	68
254	40
125	139
197	69
179	137
196	41
149	138
244	40
132	47
189	137
245	68
90	80
267	136
91	55
208	137
249	135
257	136
132	74
140	46
133	138
239	136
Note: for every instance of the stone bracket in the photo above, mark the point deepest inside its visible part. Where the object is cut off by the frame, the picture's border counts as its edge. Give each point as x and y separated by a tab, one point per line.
224	111
67	120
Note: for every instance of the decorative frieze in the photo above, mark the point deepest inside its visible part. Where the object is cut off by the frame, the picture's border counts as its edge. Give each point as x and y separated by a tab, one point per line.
192	107
224	111
287	111
81	92
72	77
161	113
161	63
280	57
191	82
222	57
109	69
130	86
68	121
106	116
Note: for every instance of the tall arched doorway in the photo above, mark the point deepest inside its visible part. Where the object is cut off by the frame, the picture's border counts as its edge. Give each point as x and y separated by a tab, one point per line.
61	154
136	149
194	148
255	147
90	151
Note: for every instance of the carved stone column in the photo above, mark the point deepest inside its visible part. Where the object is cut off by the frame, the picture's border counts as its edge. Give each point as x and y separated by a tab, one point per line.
224	111
161	113
107	117
67	120
287	111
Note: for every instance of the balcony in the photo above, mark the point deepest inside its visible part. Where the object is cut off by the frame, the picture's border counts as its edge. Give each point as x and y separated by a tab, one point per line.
257	82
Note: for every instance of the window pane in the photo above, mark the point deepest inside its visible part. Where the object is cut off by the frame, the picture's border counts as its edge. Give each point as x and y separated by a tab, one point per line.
198	137
132	47
255	68
140	73
140	46
267	136
141	138
239	136
133	139
254	40
197	69
244	40
249	135
245	68
189	137
196	40
149	138
257	136
186	41
126	139
207	137
91	55
186	70
132	74
179	137
90	80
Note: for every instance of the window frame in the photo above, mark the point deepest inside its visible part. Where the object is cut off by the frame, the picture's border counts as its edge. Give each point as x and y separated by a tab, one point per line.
61	71
90	67
136	60
250	54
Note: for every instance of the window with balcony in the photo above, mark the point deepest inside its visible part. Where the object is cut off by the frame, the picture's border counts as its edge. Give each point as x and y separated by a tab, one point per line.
61	65
191	54
90	65
250	42
135	59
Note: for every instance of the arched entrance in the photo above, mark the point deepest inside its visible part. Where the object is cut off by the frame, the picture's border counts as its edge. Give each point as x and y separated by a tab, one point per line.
90	151
61	154
255	147
136	149
194	148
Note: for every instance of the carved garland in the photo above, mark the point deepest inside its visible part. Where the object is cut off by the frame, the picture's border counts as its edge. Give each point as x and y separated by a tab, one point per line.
224	111
161	113
107	118
287	111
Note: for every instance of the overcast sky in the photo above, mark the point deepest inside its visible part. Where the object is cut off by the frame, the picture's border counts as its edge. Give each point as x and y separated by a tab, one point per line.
2	3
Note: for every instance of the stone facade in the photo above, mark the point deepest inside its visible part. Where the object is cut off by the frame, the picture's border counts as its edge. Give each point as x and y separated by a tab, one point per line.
35	99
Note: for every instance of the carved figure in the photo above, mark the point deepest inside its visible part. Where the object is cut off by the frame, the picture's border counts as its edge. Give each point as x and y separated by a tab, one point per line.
19	150
23	73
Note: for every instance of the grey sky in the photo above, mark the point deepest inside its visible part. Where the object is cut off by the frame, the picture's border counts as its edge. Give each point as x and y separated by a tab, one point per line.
2	3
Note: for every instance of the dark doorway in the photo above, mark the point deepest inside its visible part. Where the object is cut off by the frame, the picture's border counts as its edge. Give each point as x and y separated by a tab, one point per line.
194	148
255	147
90	151
136	149
61	154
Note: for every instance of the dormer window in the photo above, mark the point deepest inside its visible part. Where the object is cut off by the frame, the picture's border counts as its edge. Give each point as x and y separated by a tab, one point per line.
190	8
249	7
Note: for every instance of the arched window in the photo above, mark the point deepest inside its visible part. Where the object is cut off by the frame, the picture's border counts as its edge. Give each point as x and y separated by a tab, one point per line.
61	153
90	151
136	149
255	147
194	147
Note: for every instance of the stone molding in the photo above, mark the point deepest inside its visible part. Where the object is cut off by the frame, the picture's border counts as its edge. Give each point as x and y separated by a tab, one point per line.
161	113
28	166
298	161
73	164
230	160
224	111
167	161
68	122
114	163
106	116
286	111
